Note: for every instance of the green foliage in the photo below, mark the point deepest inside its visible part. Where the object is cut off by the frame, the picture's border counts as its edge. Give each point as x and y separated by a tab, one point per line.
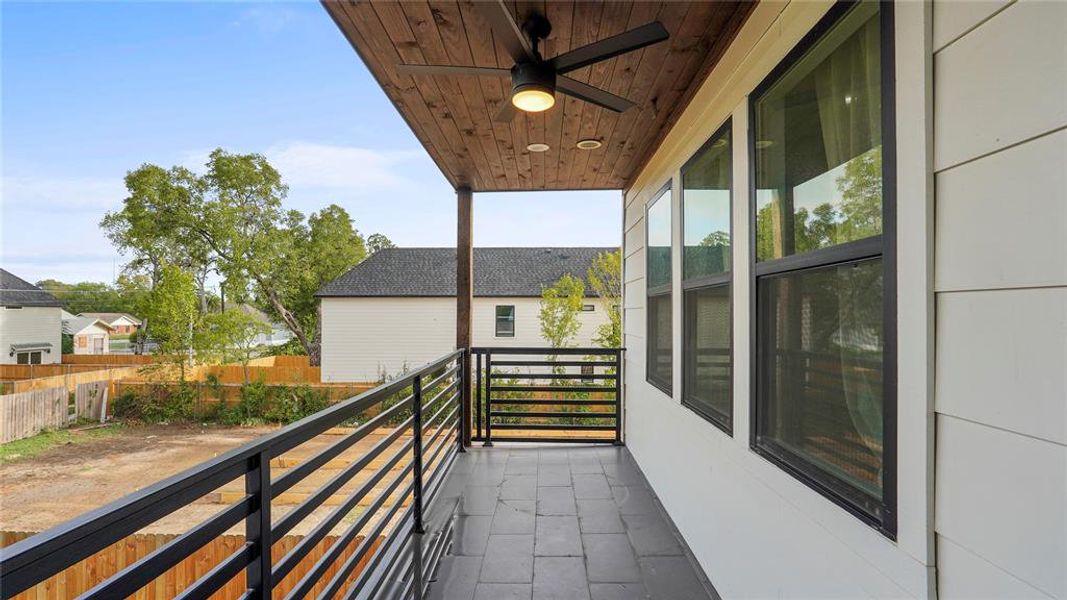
47	440
172	309
605	277
68	343
378	241
228	336
160	403
561	303
91	296
262	403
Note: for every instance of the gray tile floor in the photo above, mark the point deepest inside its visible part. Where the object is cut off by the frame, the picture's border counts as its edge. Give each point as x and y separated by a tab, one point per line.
573	523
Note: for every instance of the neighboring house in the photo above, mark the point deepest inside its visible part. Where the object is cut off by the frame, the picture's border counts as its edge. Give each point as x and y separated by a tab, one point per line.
30	323
120	323
90	335
278	334
397	309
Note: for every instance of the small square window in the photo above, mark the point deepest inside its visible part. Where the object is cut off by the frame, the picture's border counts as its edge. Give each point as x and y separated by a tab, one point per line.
588	308
505	321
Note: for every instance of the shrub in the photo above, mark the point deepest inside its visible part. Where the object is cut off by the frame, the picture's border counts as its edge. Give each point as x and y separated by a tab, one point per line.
157	403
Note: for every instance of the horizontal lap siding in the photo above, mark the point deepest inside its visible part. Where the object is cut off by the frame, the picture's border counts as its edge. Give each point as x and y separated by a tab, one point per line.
31	324
1001	296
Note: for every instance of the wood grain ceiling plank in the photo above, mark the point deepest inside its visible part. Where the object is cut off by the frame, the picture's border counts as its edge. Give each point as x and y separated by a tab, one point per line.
532	125
365	31
561	14
444	38
443	94
587	21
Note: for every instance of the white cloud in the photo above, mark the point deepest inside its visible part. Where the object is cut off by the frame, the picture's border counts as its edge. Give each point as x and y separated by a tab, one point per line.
43	193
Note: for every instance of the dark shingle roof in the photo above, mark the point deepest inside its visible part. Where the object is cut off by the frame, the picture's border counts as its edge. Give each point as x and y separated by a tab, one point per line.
15	291
432	272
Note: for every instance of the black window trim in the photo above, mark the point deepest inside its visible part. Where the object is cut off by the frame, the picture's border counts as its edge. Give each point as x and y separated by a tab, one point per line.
884	245
707	281
659	290
496	321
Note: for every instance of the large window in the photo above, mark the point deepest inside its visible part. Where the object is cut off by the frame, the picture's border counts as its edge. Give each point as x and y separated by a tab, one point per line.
658	278
505	321
706	277
823	302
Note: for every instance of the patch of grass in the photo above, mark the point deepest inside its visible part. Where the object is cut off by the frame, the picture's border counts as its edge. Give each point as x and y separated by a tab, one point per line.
42	442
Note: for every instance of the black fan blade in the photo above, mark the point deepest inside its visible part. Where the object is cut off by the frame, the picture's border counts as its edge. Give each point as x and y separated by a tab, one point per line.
645	35
506	30
507	111
582	91
452	70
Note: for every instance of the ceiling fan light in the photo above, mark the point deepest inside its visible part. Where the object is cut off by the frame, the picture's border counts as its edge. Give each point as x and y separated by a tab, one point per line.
533	99
589	144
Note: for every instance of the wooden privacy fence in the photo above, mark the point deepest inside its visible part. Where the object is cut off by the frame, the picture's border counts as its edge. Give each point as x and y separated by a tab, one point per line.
273	374
208	395
35	371
71	381
28	413
109	359
82	576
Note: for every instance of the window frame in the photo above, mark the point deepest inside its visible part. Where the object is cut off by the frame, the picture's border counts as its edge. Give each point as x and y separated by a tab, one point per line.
496	321
883	246
707	282
665	191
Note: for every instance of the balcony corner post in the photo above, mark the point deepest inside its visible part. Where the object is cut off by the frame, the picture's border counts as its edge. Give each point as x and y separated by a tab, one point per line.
464	415
464	287
416	448
257	528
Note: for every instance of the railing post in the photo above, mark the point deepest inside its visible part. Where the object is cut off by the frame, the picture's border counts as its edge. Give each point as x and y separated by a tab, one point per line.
478	393
464	416
488	399
618	397
417	453
257	527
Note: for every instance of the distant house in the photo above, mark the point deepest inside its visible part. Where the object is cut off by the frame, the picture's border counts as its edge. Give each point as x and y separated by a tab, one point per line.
120	323
397	309
278	334
90	335
30	323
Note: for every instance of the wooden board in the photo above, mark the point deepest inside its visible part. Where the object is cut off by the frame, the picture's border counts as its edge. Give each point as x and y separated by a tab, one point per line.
453	116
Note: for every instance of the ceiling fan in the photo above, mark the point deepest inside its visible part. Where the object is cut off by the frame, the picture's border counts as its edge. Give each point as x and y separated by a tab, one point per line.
534	79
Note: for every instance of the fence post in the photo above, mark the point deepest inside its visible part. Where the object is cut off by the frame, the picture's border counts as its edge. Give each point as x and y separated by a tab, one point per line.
618	397
257	528
416	433
464	417
488	399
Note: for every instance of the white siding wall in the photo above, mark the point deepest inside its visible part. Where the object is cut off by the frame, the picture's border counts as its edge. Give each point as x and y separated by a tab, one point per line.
1001	282
758	532
28	325
363	336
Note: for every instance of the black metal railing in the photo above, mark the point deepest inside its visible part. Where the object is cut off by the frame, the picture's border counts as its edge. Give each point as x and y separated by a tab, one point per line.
425	414
547	395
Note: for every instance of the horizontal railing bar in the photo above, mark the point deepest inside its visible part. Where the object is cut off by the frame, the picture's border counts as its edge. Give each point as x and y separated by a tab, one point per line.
36	558
435	481
550	426
305	468
139	574
338	579
440	378
575	415
366	586
316	572
444	406
219	575
308	543
552	401
548	351
305	508
547	440
436	453
553	376
555	363
553	388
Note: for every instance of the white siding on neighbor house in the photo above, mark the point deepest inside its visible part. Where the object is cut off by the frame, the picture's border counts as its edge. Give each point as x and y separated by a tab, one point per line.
31	324
1001	281
362	337
90	335
756	531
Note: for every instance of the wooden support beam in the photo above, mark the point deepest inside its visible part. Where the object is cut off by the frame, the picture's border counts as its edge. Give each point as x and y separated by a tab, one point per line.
464	288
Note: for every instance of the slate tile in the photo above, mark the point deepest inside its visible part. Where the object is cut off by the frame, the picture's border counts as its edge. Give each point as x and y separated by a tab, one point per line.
672	578
556	501
519	487
634	500
457	576
591	485
618	591
508	559
599	516
514	516
557	536
560	578
479	500
609	558
622	474
554	474
503	591
471	534
651	535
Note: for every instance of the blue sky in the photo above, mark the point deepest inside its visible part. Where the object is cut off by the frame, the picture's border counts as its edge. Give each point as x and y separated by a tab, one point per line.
91	90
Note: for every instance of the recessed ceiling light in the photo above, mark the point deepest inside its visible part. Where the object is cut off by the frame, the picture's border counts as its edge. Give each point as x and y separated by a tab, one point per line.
589	144
537	147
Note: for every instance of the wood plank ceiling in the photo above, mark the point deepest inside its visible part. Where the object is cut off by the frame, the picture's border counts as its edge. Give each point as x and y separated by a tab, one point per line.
453	116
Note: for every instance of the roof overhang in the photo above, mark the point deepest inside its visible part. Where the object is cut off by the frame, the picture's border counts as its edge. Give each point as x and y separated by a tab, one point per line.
453	116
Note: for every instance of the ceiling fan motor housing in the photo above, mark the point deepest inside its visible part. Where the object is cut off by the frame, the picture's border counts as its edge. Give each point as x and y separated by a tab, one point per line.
540	76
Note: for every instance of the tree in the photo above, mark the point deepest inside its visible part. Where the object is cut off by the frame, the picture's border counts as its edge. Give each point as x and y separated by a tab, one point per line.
561	303
172	307
378	241
229	336
605	277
